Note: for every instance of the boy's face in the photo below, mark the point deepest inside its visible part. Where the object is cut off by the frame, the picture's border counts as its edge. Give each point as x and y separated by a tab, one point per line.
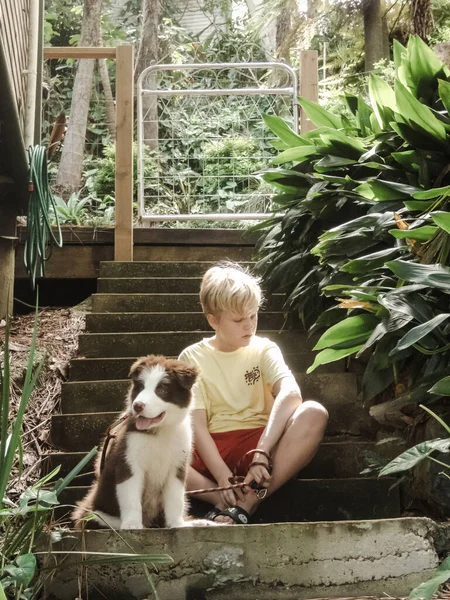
233	330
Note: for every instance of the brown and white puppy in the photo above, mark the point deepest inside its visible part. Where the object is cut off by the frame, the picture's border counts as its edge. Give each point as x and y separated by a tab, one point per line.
142	483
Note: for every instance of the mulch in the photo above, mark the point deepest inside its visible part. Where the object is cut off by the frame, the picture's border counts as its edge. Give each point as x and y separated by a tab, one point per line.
57	343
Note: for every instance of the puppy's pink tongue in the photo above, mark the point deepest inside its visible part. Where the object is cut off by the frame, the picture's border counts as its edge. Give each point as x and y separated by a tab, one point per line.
144	423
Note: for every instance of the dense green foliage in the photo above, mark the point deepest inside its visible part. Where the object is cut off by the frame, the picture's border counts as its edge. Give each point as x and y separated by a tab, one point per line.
366	228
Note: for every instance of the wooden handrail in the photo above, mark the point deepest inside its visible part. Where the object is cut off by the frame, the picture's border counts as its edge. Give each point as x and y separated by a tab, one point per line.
124	56
79	52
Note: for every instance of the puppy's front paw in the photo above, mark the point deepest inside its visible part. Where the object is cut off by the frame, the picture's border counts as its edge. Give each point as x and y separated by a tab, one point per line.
131	524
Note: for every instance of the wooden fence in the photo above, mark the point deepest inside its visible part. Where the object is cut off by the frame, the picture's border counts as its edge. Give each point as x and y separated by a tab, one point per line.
14	28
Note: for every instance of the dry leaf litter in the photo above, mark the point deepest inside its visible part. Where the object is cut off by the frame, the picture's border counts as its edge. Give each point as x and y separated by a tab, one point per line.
56	344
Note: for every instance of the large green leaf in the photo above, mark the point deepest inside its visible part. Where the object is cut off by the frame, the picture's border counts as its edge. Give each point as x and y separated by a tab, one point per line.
411	457
418	205
442	220
331	355
23	570
368	263
284	132
295	154
431	275
319	116
357	328
382	98
417	113
444	93
425	67
442	387
432	193
420	331
383	191
400	53
421	234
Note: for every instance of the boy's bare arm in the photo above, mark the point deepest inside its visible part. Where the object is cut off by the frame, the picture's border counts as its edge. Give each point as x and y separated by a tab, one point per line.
287	398
208	452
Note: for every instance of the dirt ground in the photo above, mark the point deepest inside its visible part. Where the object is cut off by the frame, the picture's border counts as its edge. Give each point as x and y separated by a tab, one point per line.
57	343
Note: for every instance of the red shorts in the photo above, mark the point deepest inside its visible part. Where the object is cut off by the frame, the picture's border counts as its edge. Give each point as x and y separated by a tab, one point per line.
232	445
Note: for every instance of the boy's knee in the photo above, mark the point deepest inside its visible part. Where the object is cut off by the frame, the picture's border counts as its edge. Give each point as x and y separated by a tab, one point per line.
314	412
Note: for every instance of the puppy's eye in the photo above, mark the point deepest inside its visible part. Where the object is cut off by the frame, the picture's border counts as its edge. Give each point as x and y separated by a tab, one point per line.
161	390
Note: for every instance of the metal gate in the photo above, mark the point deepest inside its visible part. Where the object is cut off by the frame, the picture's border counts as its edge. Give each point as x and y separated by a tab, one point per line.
202	140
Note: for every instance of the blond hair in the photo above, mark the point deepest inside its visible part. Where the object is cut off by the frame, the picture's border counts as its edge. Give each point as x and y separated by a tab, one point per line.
227	286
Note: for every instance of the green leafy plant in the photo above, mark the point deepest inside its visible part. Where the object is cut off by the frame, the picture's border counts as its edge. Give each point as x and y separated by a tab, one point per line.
362	245
74	210
407	460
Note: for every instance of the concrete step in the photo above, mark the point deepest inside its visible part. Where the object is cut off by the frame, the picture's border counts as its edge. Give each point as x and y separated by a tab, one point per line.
161	303
160	321
310	500
149	285
333	460
109	395
77	432
89	369
159	269
287	561
99	345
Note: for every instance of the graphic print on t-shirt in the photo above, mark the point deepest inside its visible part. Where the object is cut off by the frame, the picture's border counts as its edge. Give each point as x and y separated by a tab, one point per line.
252	377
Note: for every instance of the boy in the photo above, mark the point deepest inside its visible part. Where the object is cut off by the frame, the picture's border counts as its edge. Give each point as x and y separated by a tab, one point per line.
246	398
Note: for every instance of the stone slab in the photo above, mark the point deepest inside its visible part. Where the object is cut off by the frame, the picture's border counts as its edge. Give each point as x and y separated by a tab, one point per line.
101	396
82	431
161	302
333	460
309	500
159	269
148	285
159	321
89	369
287	560
99	345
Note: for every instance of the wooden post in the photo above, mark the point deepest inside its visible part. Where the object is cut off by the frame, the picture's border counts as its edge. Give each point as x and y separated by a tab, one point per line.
308	84
8	216
123	239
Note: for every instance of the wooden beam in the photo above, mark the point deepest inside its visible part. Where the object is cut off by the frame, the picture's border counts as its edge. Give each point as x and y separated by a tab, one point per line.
123	241
8	216
79	52
308	84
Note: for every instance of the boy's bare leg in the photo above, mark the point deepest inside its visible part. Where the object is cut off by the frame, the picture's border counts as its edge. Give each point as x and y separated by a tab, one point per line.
295	449
197	481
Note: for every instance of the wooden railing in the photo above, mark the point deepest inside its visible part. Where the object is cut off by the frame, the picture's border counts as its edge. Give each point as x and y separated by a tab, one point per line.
123	237
14	28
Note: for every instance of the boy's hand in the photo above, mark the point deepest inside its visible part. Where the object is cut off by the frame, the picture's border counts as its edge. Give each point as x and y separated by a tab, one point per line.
260	474
229	497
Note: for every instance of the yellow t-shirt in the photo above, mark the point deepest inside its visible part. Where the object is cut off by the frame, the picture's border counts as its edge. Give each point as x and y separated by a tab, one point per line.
235	387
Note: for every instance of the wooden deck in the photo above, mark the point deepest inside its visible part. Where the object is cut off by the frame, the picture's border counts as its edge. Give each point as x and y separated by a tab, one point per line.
85	247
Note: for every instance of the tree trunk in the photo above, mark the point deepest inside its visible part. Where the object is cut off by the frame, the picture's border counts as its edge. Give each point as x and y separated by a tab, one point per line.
71	165
375	47
148	55
421	19
109	100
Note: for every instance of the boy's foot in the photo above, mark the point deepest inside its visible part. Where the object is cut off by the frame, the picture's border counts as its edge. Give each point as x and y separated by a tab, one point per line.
235	513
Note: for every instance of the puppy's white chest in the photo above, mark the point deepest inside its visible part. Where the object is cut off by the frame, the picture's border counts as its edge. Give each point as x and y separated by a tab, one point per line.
157	455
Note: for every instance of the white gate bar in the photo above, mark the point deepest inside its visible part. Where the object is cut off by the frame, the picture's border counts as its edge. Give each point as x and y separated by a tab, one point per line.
208	217
220	92
293	90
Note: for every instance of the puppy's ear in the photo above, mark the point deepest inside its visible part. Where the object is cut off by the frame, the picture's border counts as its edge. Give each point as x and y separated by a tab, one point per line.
186	376
138	365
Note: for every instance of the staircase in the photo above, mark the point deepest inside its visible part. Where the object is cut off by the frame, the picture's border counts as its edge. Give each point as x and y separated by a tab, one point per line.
153	307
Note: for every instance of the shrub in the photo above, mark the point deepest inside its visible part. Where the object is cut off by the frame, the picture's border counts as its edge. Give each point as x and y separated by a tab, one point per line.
366	227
